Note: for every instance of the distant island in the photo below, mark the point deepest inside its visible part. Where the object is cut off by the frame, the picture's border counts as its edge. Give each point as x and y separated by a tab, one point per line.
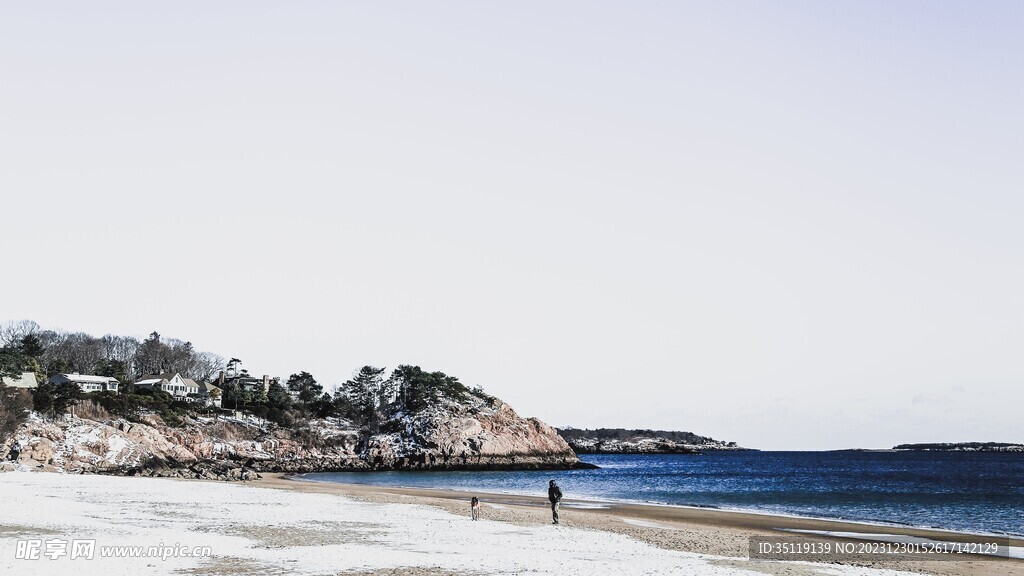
623	441
962	447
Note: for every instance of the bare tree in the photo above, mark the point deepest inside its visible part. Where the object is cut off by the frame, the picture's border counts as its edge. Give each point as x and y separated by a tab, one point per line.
121	356
208	367
52	342
121	349
180	357
12	331
77	352
149	357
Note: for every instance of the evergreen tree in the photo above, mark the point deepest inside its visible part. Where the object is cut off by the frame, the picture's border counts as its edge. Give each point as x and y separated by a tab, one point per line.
31	346
364	393
42	398
66	395
418	389
306	387
149	358
277	396
12	362
112	369
323	406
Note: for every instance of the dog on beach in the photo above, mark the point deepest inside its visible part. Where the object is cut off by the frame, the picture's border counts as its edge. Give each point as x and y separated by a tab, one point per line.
474	508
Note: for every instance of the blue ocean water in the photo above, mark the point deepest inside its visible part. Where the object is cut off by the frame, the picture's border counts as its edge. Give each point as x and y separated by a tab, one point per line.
968	491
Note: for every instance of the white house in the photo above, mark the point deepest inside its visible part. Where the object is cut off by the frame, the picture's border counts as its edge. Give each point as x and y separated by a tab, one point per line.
86	382
209	394
172	383
25	380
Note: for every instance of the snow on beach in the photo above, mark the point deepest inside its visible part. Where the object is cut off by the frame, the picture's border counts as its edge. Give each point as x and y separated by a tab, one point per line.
253	530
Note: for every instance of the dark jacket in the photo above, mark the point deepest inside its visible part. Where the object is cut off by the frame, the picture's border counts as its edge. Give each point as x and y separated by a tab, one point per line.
554	493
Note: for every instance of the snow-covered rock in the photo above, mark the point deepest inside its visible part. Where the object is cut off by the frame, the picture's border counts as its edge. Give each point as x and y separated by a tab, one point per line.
477	434
480	433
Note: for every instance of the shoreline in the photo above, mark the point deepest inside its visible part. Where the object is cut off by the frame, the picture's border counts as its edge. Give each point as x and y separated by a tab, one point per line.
937	530
707	531
1015	538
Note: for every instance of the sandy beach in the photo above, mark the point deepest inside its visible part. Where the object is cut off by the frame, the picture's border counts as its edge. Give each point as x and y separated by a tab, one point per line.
279	525
719	533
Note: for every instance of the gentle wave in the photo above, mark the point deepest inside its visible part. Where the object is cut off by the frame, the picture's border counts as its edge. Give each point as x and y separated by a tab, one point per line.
962	491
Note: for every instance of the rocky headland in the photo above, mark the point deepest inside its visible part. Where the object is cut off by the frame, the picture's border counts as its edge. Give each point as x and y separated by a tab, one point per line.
479	433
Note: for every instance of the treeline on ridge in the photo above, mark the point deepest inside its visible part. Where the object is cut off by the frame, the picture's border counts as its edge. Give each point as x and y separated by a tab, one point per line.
372	399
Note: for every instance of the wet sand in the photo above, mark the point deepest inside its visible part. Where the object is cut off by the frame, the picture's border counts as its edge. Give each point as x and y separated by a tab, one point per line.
697	530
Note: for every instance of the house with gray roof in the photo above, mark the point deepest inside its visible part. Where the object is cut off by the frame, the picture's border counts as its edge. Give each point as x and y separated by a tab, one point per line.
87	382
209	394
184	389
23	380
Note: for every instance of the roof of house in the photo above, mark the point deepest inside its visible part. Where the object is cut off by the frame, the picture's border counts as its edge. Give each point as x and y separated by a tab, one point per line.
208	387
88	378
150	381
25	380
163	376
190	383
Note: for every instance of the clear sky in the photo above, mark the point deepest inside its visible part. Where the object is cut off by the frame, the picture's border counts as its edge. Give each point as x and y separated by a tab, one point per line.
789	224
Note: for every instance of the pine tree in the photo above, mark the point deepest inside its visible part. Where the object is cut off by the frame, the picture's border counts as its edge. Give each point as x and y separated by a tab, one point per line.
364	396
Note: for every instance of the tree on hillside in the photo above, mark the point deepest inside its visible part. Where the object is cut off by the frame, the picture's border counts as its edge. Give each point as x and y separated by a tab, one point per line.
42	398
11	333
364	393
417	389
323	406
277	396
157	355
149	358
31	346
68	352
122	350
59	366
14	406
305	387
66	395
278	403
342	406
232	396
112	368
13	362
207	366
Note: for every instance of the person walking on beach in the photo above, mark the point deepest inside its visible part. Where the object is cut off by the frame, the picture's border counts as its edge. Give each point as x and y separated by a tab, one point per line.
474	508
555	496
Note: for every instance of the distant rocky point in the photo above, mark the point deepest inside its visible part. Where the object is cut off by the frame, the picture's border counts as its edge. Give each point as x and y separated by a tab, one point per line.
622	441
962	447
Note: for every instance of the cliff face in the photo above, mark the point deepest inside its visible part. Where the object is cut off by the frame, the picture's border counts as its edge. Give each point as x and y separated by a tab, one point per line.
622	441
479	434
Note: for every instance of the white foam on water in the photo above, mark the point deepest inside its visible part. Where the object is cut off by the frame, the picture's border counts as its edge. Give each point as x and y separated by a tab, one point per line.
647	524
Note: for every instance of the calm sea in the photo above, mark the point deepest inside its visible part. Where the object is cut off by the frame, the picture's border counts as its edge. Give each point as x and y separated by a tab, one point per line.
969	491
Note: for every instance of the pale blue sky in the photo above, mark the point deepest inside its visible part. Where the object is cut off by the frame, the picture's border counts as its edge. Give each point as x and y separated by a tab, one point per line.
792	225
